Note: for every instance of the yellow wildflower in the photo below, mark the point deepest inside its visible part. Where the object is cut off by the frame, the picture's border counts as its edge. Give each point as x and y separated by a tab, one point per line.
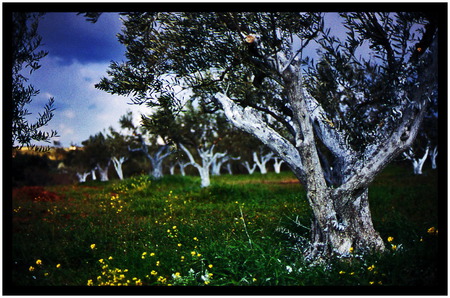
179	244
174	227
110	258
341	272
38	262
154	272
152	254
394	247
370	268
390	239
351	249
210	265
195	239
92	246
101	261
157	263
371	282
90	282
431	230
193	253
31	268
58	266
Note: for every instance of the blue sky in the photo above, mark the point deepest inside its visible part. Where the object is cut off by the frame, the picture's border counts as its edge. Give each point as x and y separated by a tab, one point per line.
79	55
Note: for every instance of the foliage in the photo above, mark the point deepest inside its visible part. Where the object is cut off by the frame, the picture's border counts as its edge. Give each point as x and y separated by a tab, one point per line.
97	150
25	42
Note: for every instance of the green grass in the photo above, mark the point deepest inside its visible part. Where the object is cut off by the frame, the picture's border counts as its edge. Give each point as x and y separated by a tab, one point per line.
172	232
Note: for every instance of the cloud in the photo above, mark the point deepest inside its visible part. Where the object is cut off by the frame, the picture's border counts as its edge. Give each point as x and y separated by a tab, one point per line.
70	114
86	110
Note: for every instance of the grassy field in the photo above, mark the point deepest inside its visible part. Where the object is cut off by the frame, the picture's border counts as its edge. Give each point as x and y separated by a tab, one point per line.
240	231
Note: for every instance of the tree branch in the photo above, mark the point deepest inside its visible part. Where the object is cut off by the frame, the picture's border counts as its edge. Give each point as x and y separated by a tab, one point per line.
249	120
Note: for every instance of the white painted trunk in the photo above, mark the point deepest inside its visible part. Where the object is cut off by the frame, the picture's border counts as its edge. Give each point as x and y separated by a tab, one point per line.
216	166
93	176
262	163
230	172
172	169
433	155
117	162
82	176
208	157
104	171
277	164
182	166
157	171
250	170
416	161
156	159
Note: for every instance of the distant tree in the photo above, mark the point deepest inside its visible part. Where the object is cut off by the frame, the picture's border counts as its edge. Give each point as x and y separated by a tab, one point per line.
203	133
262	160
78	162
147	143
250	169
118	146
277	164
417	161
98	153
24	55
336	124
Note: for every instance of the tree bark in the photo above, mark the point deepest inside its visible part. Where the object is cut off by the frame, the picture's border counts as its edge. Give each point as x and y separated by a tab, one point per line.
339	231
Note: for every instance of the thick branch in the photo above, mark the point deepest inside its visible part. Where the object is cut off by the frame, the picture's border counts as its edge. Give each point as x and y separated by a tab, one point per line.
249	120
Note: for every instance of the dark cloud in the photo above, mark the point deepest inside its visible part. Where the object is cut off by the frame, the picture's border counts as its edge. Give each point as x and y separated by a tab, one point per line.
69	37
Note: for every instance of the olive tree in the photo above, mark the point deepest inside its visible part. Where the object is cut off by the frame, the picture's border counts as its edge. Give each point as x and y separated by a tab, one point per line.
336	121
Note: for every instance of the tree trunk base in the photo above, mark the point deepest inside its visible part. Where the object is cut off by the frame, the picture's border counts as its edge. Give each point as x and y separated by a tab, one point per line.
349	231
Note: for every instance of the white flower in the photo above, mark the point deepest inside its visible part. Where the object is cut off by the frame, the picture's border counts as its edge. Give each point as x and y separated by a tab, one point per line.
289	268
